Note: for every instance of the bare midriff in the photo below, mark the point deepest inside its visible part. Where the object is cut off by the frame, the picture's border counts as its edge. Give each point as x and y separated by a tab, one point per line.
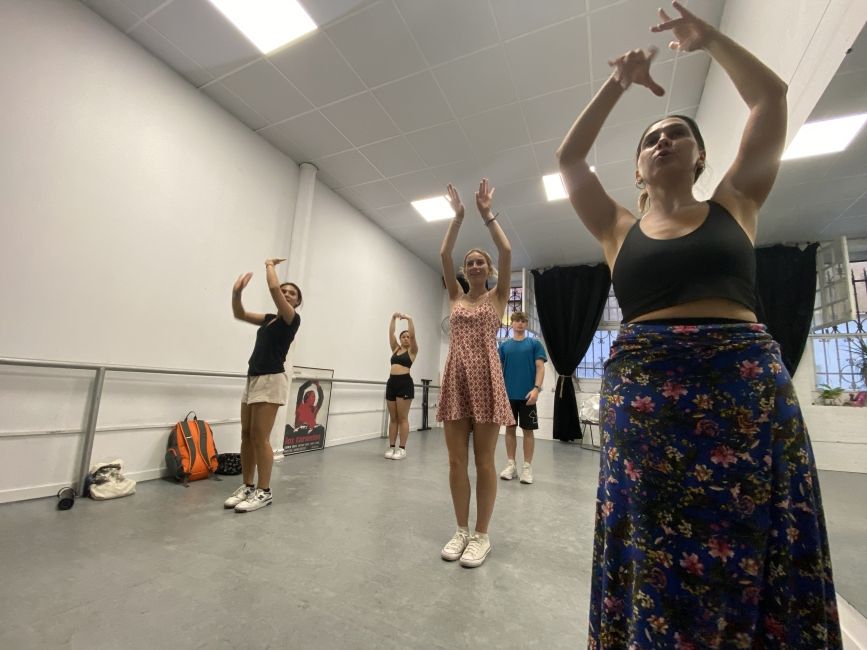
397	369
705	308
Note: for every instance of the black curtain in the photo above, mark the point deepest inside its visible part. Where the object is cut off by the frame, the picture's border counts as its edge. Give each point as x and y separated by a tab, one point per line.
570	300
786	288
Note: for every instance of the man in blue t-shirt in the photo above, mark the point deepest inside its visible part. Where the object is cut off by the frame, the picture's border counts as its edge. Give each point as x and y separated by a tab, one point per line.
523	362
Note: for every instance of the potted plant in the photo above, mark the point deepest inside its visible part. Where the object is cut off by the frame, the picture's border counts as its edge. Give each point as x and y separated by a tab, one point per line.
831	396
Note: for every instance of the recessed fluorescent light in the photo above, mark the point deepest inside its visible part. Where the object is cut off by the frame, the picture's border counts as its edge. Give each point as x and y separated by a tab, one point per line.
435	208
554	187
826	136
268	24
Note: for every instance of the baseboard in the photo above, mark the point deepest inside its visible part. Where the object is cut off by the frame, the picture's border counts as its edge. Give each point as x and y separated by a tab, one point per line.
31	492
351	439
853	625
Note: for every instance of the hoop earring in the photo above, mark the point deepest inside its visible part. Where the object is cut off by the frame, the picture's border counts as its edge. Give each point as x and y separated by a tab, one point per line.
640	184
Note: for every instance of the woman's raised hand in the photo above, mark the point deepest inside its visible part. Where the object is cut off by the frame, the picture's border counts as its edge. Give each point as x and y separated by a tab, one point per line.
484	197
633	67
274	261
455	201
242	282
690	32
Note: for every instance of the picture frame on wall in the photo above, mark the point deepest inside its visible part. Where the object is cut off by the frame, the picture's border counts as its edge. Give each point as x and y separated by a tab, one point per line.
311	400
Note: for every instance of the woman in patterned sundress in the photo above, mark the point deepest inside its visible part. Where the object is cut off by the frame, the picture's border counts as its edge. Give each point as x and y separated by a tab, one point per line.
709	524
473	394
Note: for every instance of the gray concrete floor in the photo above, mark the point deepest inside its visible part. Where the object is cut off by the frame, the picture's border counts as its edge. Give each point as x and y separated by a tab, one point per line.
346	557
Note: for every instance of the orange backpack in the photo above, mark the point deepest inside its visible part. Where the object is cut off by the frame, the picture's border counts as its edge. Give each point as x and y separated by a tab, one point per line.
190	452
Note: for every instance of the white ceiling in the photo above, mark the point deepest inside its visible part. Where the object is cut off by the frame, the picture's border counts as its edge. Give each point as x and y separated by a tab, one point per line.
393	99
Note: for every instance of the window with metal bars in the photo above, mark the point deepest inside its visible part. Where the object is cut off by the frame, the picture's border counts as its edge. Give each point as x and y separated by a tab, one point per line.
591	365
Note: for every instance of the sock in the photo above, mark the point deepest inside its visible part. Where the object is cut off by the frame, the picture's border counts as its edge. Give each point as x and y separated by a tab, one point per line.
511	461
268	490
252	487
482	536
464	529
393	446
526	464
403	446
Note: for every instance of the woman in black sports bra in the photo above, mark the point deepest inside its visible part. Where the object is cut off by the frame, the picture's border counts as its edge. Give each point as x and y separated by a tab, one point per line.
399	390
709	524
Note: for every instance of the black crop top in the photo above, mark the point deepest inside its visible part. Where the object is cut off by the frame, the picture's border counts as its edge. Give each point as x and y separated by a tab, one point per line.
716	260
272	344
401	359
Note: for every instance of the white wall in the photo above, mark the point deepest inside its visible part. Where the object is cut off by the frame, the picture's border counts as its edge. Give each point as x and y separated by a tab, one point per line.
129	204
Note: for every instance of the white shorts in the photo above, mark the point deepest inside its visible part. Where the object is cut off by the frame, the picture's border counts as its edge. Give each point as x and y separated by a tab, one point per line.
272	389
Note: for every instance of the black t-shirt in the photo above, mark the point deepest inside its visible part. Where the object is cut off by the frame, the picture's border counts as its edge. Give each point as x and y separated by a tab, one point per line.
272	345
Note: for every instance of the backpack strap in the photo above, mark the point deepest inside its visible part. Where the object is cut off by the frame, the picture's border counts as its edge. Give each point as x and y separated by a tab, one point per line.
191	446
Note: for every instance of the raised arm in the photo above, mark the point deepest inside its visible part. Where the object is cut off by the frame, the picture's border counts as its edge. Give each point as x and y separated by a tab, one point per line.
448	246
237	306
602	216
286	311
748	181
484	198
410	327
392	340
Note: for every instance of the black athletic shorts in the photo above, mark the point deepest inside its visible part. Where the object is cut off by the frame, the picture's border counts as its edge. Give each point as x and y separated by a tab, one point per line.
525	414
399	386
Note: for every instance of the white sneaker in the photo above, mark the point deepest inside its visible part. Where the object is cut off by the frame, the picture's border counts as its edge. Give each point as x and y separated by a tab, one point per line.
476	552
455	548
258	499
510	472
390	452
527	474
237	496
399	454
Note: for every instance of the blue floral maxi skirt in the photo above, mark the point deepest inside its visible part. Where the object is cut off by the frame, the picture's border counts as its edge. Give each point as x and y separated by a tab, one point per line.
709	524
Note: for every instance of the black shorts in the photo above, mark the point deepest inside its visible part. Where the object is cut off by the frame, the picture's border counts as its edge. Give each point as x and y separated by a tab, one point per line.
399	386
525	414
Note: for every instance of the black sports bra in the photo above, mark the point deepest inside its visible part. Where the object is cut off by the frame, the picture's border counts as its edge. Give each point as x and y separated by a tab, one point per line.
716	260
401	359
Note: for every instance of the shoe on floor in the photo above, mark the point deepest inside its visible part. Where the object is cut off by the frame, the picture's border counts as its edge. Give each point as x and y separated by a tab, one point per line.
399	454
456	545
259	499
476	551
390	453
510	472
527	474
237	496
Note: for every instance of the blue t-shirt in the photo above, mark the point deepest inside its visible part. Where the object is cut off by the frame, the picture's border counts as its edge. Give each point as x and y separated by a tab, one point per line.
519	365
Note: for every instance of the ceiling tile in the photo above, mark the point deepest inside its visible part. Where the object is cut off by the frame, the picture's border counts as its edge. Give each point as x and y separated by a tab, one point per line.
478	82
377	44
525	192
201	32
496	130
690	72
378	194
400	217
546	155
326	11
143	7
415	102
550	116
348	168
235	105
509	166
641	104
418	185
619	142
551	59
616	175
464	173
446	29
163	49
393	157
303	63
115	13
441	144
845	95
361	119
515	17
311	134
267	92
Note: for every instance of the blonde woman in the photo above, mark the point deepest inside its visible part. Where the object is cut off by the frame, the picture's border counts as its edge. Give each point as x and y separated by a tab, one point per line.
399	390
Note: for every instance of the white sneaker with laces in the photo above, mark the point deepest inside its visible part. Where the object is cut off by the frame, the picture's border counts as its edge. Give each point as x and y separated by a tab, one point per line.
510	472
456	545
399	454
237	496
527	474
390	452
477	550
259	499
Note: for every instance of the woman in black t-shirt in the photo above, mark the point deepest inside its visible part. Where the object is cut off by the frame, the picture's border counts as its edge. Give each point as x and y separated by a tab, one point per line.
267	385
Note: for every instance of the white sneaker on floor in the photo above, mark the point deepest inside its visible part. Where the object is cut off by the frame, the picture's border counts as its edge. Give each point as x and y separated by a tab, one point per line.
527	474
390	453
237	496
510	472
399	454
259	499
456	545
476	552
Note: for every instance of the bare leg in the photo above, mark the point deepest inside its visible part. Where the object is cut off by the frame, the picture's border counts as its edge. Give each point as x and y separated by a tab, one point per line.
262	421
529	444
457	443
485	438
511	442
248	456
392	422
403	419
